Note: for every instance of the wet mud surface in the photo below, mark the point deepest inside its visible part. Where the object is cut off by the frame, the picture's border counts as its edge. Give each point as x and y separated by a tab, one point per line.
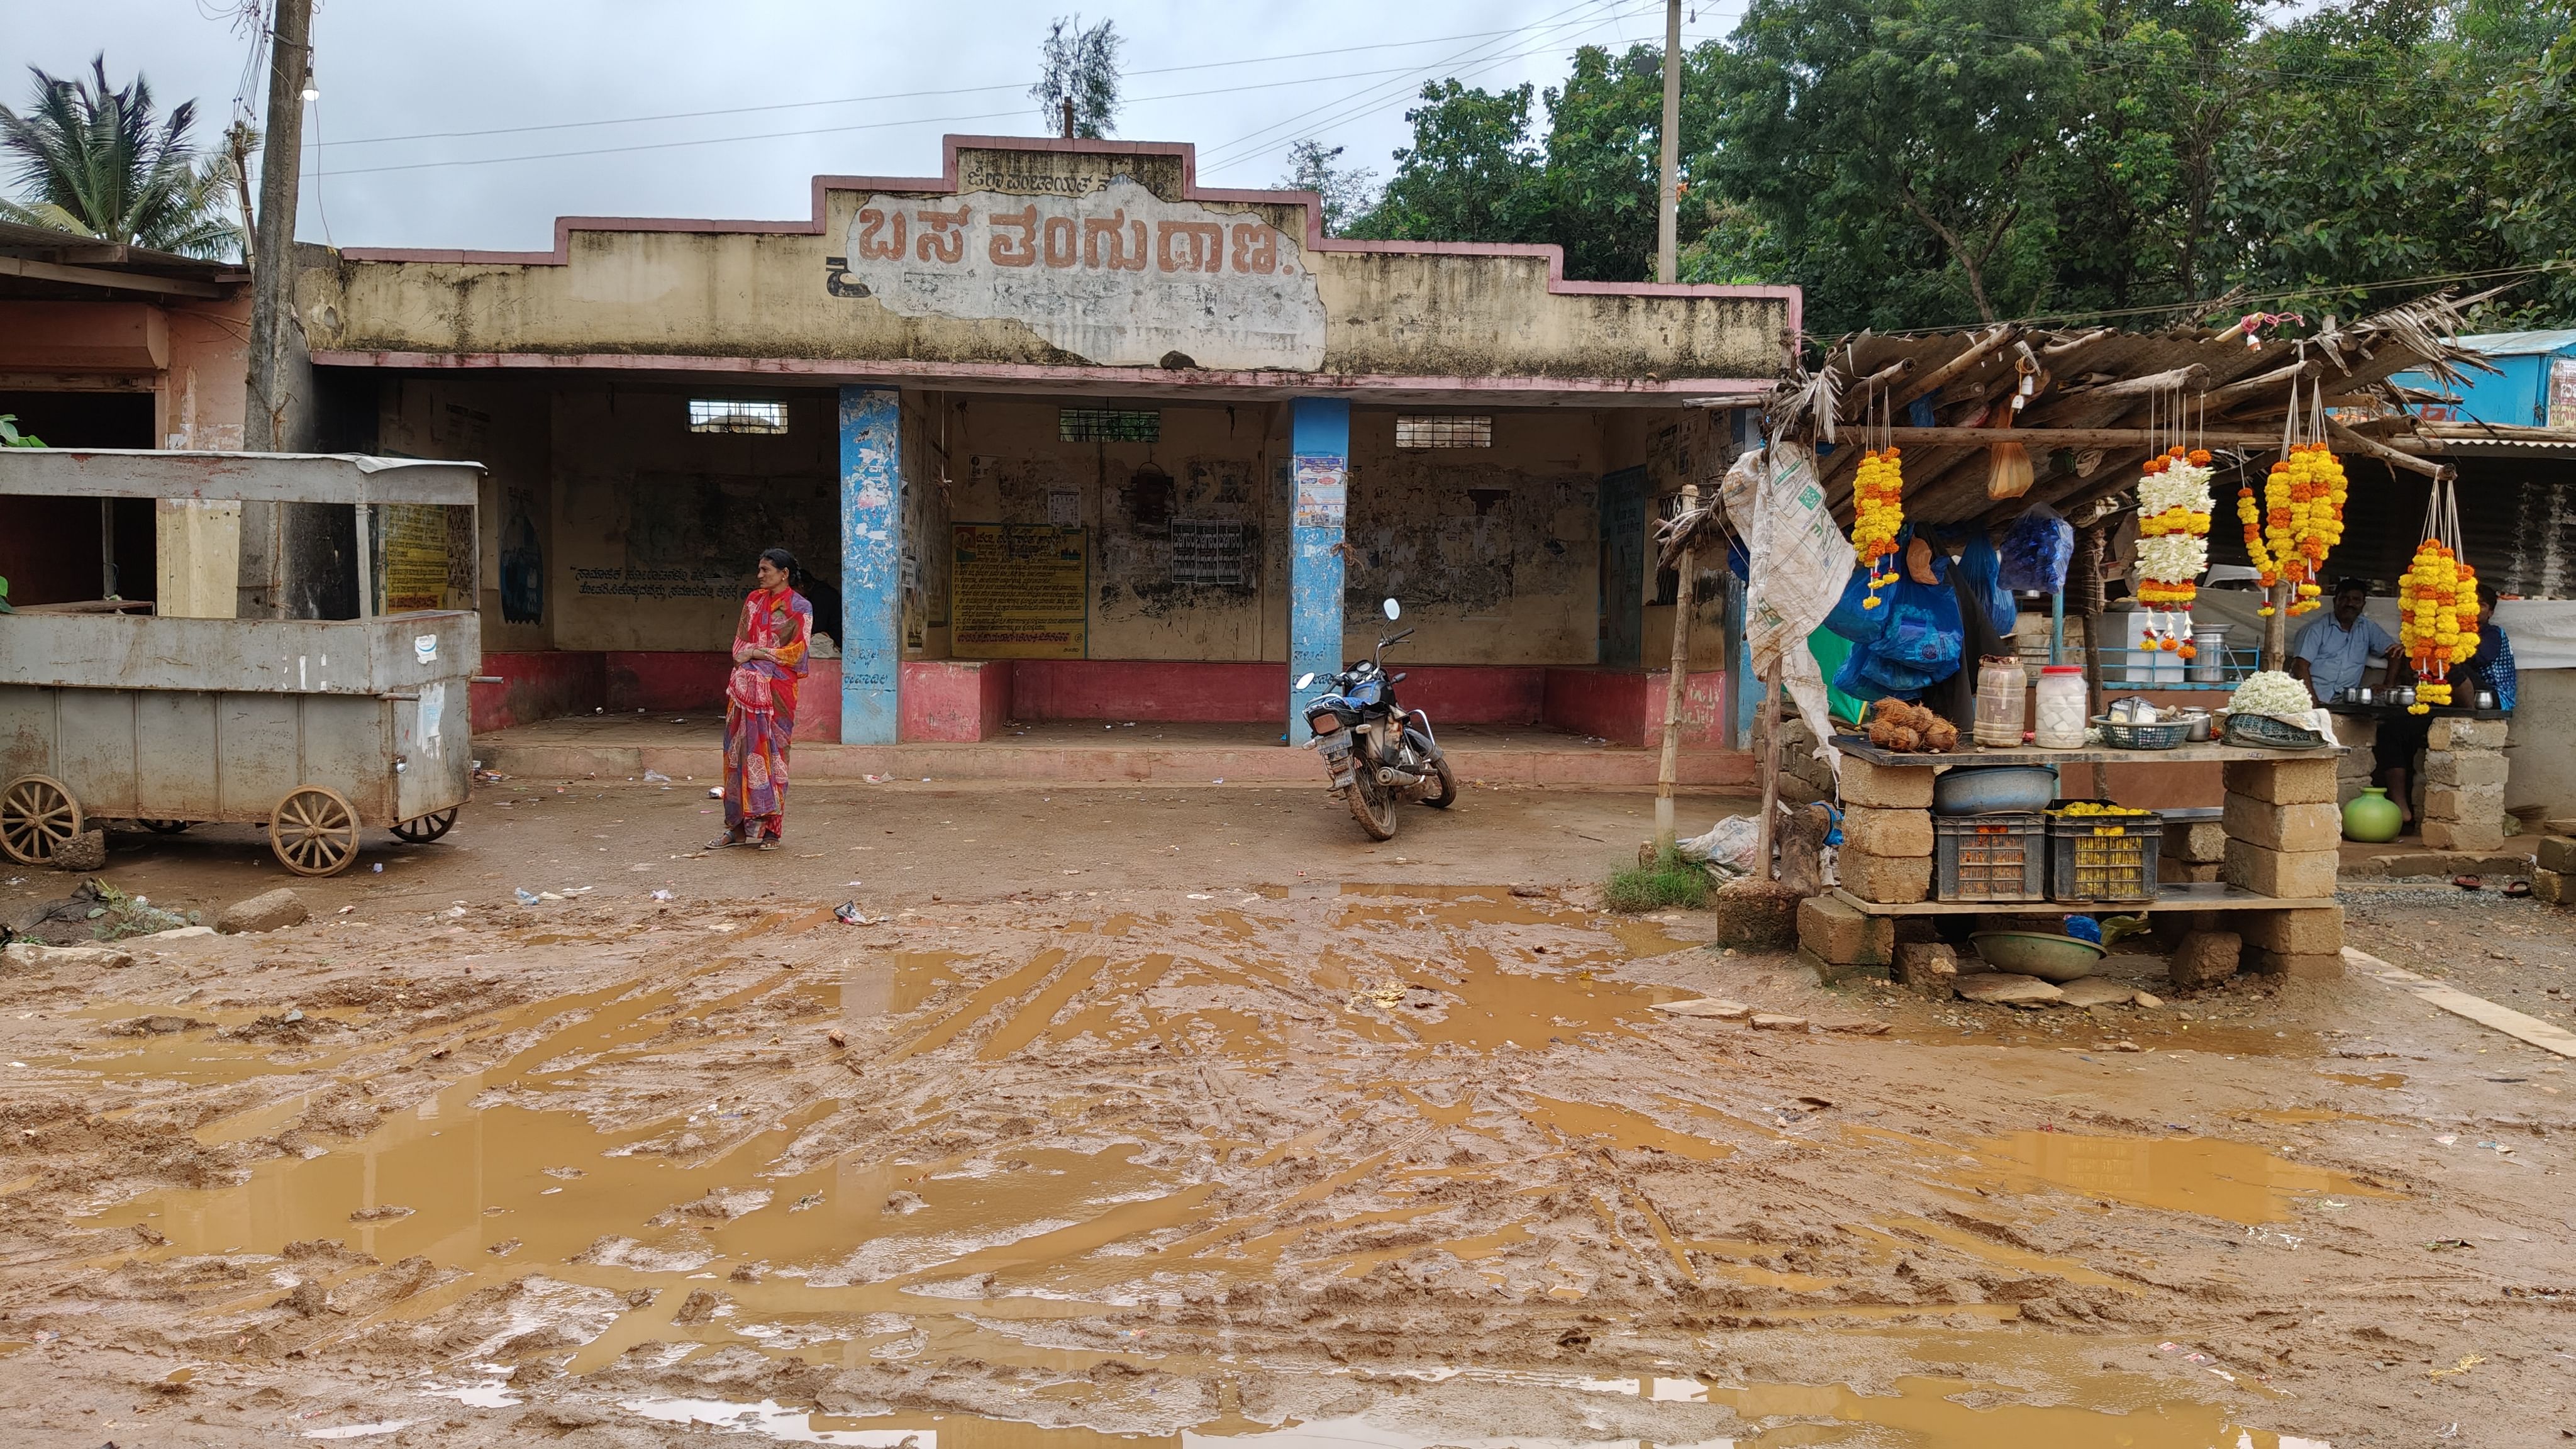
1231	1159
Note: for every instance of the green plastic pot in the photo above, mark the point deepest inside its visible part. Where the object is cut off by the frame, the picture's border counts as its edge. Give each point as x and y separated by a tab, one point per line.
2371	816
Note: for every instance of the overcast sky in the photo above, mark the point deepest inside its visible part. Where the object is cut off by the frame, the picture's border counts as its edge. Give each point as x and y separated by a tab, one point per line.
817	88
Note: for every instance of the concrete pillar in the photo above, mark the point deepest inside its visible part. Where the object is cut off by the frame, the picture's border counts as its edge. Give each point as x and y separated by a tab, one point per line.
871	563
197	553
1319	444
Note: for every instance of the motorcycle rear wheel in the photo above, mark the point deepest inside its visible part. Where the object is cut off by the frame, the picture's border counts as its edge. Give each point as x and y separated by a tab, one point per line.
1372	804
1448	795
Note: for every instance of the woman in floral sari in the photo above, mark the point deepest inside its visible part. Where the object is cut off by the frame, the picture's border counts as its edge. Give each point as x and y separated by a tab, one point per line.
760	704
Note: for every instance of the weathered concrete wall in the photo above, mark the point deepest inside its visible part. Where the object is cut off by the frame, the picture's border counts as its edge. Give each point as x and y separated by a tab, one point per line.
656	528
507	427
1232	280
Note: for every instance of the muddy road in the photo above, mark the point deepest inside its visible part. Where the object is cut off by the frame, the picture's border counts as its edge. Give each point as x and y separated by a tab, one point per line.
1084	1140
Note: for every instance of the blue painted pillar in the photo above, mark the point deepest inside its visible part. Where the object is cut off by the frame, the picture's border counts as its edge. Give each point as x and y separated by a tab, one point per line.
1319	444
871	563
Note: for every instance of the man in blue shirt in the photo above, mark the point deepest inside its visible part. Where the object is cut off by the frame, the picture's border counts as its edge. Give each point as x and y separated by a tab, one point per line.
2491	668
2331	653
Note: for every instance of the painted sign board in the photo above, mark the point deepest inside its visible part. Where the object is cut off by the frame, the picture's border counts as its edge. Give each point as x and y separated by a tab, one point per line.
1118	277
2561	408
1323	491
1019	591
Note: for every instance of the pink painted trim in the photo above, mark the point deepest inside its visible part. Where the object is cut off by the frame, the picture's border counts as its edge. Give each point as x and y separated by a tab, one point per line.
945	184
1033	376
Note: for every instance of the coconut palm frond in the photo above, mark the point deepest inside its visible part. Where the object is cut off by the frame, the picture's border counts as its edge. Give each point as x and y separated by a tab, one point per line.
101	161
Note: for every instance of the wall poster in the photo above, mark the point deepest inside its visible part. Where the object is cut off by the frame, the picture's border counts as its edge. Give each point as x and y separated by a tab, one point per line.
412	563
1323	491
1019	591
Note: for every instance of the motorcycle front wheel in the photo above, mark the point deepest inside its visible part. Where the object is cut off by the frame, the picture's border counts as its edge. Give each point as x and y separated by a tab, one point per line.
1372	804
1448	795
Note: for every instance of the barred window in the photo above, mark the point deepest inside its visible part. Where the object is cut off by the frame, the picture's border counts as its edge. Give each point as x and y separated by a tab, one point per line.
736	415
1108	425
1444	430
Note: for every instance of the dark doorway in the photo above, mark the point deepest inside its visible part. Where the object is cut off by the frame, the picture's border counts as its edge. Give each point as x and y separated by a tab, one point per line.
53	550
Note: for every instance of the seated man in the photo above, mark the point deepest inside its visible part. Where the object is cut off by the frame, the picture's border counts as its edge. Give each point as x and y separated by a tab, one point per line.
2331	653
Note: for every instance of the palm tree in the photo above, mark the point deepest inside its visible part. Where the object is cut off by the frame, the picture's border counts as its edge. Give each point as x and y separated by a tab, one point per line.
96	161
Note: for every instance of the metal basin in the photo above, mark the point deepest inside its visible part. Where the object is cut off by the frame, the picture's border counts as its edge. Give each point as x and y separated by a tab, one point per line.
2035	953
1993	789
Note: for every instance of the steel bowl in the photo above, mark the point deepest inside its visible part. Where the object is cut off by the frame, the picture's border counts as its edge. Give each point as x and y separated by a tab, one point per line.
1993	789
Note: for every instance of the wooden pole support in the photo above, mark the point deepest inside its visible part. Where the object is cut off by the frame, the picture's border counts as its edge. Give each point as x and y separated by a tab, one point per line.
1674	684
1764	830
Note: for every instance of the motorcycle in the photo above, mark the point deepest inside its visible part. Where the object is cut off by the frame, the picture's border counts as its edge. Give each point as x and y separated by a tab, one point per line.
1376	751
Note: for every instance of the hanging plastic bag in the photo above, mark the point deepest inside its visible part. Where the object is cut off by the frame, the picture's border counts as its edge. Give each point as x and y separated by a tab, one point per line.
2037	549
1981	570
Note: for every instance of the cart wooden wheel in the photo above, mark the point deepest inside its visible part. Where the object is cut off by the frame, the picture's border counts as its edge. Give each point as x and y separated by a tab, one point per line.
313	831
163	827
37	818
428	827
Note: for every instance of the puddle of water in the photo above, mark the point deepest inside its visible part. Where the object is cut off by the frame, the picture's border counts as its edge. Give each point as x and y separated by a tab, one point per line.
1621	1128
2212	1176
2384	1081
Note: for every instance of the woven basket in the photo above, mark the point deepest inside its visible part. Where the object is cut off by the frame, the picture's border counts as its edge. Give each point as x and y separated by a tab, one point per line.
2264	732
2162	735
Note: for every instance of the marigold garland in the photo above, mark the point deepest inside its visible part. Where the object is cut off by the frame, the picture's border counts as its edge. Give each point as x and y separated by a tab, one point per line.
2174	506
2437	604
1878	512
2298	522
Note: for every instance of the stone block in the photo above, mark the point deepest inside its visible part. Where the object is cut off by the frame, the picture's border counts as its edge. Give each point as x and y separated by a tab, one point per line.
2319	966
264	912
1887	832
1828	972
2457	767
2204	958
2451	732
1841	936
2558	853
1899	880
1928	967
2283	782
1757	915
2462	834
2283	827
2358	732
2465	802
1886	787
82	853
2553	887
2197	841
2301	933
2291	875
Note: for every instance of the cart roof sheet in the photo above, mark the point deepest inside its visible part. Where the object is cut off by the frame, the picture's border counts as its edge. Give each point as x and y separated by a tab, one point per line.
251	477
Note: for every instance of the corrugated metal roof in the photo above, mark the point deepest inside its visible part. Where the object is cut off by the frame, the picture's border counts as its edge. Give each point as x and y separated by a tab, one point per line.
2519	344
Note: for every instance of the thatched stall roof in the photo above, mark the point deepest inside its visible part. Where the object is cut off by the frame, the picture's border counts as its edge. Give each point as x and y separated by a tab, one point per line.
2087	426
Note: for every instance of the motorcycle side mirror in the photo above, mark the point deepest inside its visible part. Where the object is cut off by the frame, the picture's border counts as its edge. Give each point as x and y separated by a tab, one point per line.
1306	679
1393	609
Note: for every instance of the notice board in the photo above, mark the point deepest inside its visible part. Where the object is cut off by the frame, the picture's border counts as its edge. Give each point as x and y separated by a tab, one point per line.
1019	591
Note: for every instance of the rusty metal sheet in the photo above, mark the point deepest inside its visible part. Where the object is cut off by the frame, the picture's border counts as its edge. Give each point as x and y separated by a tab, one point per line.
292	656
348	746
257	477
255	753
26	731
95	749
174	755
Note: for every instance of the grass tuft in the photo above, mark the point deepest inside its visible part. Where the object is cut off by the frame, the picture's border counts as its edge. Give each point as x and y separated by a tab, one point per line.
1670	881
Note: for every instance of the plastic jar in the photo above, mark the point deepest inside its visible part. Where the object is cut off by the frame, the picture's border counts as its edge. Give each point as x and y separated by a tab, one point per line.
2001	683
2061	708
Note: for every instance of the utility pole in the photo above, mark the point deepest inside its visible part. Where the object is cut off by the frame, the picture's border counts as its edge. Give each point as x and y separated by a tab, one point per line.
281	163
1668	197
1068	118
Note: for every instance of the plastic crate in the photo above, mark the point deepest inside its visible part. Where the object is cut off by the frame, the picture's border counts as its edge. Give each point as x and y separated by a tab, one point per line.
2095	860
2001	857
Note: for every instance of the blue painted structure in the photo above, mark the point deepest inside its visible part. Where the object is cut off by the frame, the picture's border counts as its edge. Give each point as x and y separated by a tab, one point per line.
871	422
2518	395
1319	442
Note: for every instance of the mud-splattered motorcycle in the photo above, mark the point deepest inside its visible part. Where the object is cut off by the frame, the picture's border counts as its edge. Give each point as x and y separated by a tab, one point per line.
1377	752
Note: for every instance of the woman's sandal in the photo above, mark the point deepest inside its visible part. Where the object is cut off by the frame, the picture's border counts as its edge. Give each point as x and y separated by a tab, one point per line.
724	841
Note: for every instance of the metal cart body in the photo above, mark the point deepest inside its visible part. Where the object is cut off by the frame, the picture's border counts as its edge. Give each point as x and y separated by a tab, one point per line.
312	727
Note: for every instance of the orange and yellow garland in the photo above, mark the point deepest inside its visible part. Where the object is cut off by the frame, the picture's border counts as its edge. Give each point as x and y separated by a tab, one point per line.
2299	521
1878	512
2437	605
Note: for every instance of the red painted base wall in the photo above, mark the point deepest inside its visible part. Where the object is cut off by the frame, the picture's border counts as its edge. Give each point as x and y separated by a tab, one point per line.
964	700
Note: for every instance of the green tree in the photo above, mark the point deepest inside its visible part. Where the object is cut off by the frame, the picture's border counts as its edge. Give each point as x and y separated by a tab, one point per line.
1471	174
1346	191
1601	157
2530	142
1081	67
98	161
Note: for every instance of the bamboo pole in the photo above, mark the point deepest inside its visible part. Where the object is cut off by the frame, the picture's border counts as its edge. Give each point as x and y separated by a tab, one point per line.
1674	684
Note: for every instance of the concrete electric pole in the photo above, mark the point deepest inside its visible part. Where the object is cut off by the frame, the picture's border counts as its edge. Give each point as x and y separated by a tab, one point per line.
1668	195
281	162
